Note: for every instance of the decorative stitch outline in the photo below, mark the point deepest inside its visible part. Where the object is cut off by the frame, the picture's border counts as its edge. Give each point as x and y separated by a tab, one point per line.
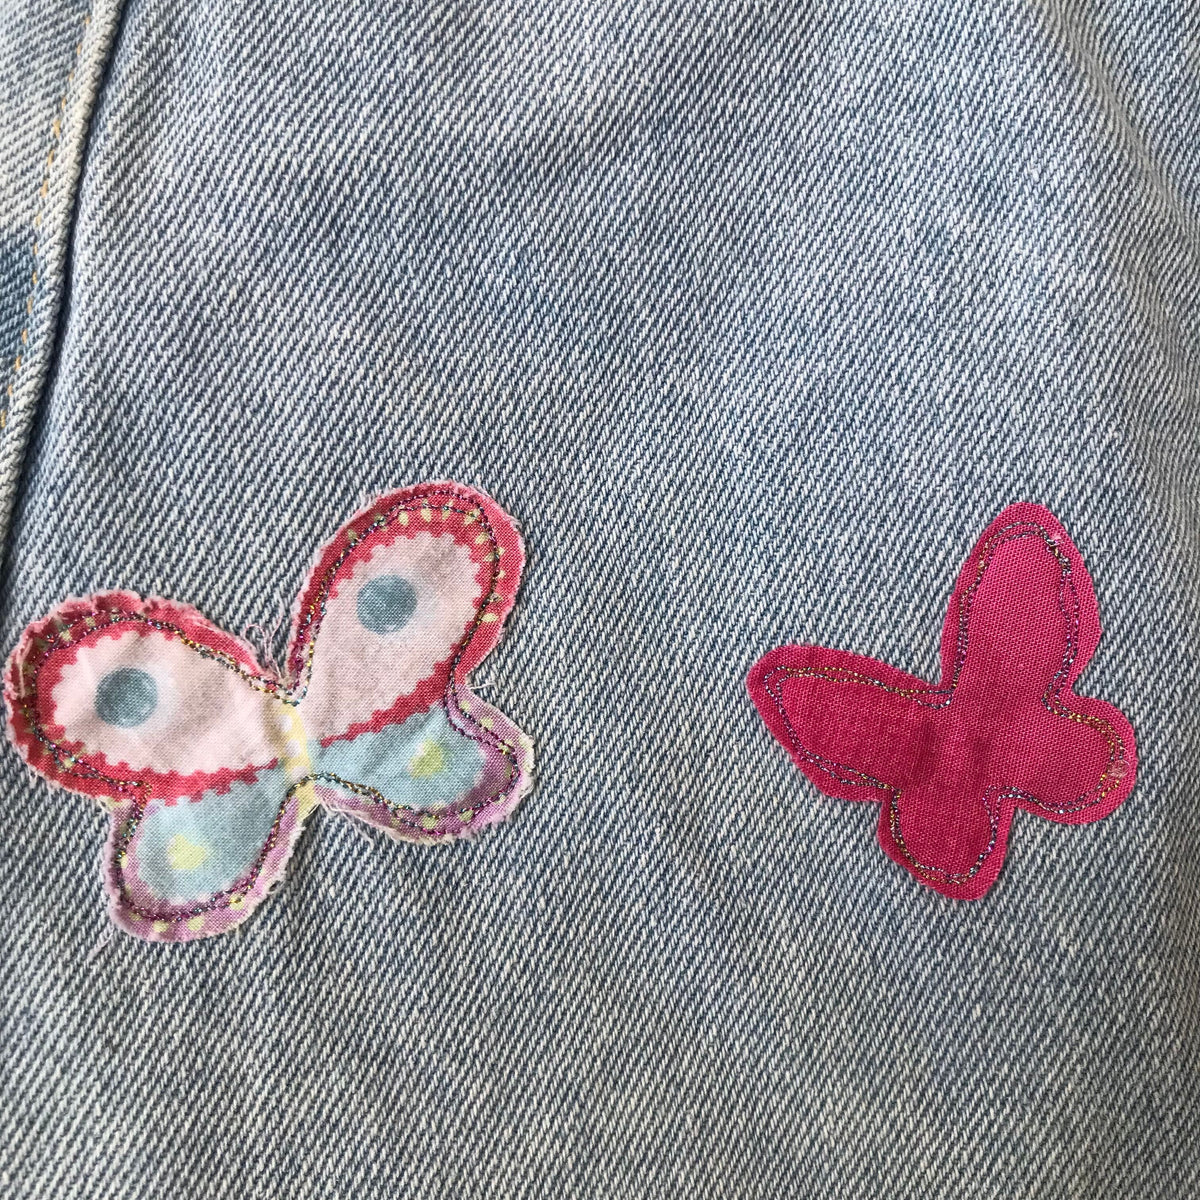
416	499
1051	700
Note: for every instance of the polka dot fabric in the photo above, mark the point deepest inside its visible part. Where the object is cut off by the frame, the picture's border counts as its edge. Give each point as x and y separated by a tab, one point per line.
209	763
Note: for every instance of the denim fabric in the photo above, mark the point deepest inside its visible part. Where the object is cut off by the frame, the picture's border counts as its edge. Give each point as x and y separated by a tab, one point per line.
51	60
37	43
753	314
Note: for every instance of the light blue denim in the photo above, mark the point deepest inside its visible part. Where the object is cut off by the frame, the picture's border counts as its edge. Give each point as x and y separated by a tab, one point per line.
753	315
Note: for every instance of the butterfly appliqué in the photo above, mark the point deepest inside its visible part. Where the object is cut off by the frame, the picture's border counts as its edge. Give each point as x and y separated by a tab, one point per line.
1004	730
209	763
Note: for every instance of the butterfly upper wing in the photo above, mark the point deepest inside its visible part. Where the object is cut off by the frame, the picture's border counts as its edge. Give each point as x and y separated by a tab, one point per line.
853	725
150	707
404	601
1023	541
115	695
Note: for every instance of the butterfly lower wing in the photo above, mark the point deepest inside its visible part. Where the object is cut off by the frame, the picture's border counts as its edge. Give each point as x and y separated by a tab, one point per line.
405	600
177	870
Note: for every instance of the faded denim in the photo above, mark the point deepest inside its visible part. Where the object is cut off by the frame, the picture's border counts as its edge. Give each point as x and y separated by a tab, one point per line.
753	315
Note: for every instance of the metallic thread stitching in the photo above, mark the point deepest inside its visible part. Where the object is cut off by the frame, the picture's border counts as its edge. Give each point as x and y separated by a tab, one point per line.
940	697
304	641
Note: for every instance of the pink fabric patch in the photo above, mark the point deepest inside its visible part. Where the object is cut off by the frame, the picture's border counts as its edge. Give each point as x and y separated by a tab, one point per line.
951	762
210	762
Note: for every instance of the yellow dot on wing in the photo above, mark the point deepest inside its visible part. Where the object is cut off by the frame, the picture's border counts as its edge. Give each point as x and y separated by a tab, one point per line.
186	855
429	760
195	924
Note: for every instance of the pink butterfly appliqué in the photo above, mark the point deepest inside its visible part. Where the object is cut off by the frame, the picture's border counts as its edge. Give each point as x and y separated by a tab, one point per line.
209	763
951	762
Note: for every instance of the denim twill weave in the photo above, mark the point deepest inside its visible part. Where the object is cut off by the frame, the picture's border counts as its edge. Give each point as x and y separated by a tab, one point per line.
753	314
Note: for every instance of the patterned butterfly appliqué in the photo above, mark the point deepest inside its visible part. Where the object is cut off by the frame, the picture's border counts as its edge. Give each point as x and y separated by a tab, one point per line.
210	764
1004	730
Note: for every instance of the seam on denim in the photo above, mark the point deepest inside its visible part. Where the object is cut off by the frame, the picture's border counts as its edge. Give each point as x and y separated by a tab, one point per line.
1077	36
43	192
50	234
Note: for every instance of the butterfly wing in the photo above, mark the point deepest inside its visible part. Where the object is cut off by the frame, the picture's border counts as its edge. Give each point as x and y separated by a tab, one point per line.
173	725
854	725
179	870
1022	625
403	603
